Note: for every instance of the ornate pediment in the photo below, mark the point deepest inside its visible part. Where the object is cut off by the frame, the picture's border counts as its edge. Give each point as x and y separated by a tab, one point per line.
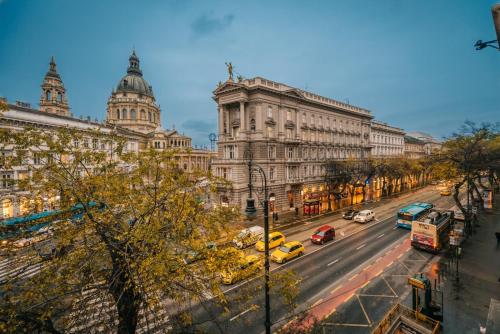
227	86
294	93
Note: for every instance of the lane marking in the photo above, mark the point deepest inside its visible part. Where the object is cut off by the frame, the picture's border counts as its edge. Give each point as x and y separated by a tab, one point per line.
333	291
317	302
368	266
381	235
364	311
399	256
367	282
395	227
378	259
353	277
359	247
242	313
380	272
350	296
331	312
333	262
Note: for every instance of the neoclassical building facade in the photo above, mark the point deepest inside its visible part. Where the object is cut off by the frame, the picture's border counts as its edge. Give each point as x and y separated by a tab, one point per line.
387	141
132	113
290	133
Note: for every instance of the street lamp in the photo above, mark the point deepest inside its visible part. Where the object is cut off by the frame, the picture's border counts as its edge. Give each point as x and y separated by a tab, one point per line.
495	11
251	212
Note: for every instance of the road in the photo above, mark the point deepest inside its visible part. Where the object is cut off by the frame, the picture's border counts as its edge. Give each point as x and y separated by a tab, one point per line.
320	270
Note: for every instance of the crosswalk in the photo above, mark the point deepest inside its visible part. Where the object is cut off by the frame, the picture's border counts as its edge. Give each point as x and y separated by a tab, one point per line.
17	267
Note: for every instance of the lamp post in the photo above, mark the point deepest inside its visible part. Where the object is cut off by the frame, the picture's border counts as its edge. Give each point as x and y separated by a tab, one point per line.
251	211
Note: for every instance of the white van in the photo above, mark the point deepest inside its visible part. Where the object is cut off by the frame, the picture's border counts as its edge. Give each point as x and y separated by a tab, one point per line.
248	236
364	216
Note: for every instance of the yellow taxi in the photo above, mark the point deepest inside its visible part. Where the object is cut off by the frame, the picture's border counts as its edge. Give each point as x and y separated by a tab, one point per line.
287	252
245	267
275	239
445	192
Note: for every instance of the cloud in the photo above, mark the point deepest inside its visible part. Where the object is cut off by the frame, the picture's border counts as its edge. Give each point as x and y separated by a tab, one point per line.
206	24
199	126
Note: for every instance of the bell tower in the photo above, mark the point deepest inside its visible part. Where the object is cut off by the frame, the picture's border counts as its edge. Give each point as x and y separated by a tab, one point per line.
53	99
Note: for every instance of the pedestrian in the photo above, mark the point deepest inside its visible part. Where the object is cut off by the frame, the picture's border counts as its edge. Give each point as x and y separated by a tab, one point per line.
296	211
276	216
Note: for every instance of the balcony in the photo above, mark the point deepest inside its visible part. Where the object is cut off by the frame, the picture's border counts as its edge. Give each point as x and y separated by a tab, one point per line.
295	180
293	160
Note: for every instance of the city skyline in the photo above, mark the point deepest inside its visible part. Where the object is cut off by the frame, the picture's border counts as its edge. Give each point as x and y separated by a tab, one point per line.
438	71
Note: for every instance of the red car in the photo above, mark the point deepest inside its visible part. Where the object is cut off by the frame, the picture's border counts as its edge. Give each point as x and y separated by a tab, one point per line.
323	234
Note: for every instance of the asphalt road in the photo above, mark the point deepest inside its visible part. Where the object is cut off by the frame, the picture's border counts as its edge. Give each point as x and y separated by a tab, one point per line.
320	270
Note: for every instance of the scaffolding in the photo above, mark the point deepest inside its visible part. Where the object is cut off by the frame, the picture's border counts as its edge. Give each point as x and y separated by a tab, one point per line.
402	320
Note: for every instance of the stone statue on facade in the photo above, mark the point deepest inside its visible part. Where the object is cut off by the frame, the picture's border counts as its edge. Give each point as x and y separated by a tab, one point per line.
230	70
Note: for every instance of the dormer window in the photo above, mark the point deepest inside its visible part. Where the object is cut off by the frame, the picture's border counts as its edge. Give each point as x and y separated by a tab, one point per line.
48	95
125	83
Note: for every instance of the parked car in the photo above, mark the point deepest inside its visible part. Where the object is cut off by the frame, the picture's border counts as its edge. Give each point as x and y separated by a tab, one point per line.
349	214
248	237
323	234
364	216
275	239
193	256
287	252
242	269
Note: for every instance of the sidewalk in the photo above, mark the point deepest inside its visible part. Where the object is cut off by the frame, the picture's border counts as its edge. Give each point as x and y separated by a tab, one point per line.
466	304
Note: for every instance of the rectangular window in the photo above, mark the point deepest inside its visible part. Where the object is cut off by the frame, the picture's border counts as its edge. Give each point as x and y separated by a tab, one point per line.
290	153
269	111
95	143
86	143
37	159
271	152
271	173
6	181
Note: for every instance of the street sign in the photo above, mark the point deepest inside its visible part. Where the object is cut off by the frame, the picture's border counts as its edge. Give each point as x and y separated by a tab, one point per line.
416	283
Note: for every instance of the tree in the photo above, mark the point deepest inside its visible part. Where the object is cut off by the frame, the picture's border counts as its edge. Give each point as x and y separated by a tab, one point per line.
465	157
125	226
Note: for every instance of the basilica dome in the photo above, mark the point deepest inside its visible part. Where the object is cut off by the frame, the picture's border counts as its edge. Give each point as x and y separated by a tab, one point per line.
133	81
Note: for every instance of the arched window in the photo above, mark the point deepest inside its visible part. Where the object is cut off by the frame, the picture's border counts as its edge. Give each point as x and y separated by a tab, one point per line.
59	96
48	95
117	114
124	114
143	114
149	116
154	118
133	114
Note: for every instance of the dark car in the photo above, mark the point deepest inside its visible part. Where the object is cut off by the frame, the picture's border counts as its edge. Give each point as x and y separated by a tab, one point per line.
323	234
349	214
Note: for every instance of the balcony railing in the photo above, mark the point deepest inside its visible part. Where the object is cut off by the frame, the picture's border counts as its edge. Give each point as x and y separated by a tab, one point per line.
294	180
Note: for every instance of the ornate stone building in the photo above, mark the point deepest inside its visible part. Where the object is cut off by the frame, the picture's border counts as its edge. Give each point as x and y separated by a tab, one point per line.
132	113
414	148
290	133
386	140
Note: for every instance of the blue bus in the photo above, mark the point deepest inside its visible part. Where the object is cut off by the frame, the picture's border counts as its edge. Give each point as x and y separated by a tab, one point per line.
30	224
412	212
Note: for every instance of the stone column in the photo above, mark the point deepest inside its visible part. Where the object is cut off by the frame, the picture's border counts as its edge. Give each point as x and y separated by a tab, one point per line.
298	135
242	117
259	124
221	120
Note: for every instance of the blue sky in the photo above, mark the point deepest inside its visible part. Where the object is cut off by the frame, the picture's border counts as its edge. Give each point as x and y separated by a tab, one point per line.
412	63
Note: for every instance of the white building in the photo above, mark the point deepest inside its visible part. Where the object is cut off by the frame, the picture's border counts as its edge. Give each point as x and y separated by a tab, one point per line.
386	140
